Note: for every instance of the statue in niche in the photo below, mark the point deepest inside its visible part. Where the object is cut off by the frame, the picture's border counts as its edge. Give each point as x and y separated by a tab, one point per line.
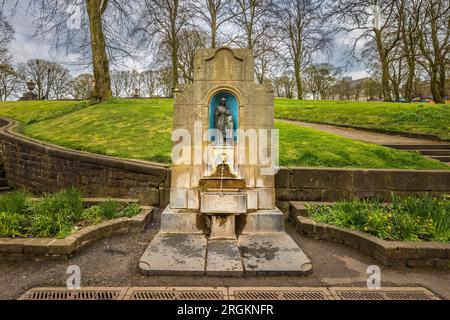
223	119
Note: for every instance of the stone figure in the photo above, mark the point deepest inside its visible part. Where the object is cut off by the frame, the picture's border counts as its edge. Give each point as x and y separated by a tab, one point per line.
223	119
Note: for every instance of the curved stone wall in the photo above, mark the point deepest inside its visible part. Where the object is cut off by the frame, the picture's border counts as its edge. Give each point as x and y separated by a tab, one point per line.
41	167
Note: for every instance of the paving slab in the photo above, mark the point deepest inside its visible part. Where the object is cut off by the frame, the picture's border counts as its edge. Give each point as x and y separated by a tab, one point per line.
224	259
175	254
273	254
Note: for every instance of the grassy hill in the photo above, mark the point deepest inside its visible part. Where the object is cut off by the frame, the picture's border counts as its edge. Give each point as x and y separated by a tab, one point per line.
421	118
141	129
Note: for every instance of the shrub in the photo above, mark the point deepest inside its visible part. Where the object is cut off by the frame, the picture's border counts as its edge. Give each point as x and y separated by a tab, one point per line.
109	209
11	224
14	202
92	215
130	211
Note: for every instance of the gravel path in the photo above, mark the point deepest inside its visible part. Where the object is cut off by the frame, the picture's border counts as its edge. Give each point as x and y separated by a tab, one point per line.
366	136
113	263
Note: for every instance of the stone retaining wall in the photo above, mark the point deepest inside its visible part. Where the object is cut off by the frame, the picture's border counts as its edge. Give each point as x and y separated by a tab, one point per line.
41	167
328	185
388	253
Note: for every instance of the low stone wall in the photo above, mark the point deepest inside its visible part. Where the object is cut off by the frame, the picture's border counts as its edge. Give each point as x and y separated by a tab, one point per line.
328	185
61	249
388	253
41	167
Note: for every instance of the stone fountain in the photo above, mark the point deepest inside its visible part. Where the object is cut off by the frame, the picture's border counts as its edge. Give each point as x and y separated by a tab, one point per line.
222	218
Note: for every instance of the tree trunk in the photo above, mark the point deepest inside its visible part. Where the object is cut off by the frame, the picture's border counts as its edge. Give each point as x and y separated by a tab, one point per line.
435	90
100	61
298	80
385	77
442	83
174	64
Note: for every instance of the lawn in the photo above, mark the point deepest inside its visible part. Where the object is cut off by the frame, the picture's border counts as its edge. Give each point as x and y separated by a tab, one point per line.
419	118
28	112
141	129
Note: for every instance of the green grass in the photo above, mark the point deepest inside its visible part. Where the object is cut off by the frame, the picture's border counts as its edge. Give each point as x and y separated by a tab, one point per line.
54	215
420	118
136	129
28	112
308	147
141	129
415	218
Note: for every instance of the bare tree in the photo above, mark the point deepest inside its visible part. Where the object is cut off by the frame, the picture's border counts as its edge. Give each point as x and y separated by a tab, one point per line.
47	76
191	40
319	78
253	18
373	20
150	82
83	86
302	32
214	13
92	29
8	81
6	36
434	44
163	21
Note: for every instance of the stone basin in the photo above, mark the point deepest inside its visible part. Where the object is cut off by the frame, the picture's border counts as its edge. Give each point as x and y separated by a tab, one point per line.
229	203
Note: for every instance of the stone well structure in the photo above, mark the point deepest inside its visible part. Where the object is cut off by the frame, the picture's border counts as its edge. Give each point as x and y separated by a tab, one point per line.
222	218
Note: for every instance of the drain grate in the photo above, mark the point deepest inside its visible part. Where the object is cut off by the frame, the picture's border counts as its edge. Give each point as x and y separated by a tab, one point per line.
189	293
280	294
383	294
177	294
83	294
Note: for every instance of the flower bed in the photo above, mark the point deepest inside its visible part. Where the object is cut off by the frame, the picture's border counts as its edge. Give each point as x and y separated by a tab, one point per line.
415	218
58	225
55	215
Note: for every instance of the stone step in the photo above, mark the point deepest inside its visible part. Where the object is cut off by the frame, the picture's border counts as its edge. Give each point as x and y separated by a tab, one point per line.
224	259
175	254
435	152
418	146
273	254
251	255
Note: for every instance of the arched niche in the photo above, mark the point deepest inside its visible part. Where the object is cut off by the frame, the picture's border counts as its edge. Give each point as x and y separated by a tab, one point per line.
232	104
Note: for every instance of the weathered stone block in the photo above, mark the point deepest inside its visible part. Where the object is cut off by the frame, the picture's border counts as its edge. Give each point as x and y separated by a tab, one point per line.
62	247
321	179
409	181
37	246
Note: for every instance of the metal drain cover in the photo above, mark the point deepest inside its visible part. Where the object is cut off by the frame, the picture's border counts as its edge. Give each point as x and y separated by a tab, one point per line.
82	294
382	294
263	293
280	294
177	294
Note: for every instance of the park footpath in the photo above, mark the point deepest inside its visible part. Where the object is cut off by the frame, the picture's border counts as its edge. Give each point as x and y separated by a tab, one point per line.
430	148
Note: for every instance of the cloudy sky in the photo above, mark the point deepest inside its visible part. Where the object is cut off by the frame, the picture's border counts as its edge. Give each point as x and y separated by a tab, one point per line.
26	46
